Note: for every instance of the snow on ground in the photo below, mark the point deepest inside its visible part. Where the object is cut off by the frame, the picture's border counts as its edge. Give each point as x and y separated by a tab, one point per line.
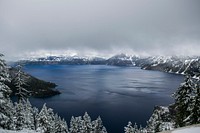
21	131
188	130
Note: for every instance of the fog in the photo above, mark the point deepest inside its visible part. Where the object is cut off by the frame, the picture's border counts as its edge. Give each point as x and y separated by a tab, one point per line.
99	27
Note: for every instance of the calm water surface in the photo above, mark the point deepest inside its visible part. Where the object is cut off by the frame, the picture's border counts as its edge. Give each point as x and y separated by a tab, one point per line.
117	94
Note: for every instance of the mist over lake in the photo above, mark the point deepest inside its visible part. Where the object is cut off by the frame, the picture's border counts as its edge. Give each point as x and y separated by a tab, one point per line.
117	94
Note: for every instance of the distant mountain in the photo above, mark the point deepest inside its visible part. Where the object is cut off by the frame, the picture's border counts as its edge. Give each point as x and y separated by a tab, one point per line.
122	60
117	60
171	64
68	60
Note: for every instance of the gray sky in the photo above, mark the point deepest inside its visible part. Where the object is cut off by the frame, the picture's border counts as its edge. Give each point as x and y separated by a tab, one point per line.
99	27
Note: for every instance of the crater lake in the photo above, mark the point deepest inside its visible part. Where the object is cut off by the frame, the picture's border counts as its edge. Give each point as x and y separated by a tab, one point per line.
116	94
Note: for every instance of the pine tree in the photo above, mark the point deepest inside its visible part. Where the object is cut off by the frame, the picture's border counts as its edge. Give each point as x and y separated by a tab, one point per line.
20	82
5	103
183	100
10	113
60	125
46	120
4	78
73	125
129	128
35	116
98	124
20	116
194	108
29	116
87	123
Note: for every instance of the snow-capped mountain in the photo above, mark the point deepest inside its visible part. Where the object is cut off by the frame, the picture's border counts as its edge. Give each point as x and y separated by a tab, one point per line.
117	60
171	64
75	60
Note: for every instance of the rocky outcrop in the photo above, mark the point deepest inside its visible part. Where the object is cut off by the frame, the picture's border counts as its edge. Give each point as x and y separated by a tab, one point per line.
36	87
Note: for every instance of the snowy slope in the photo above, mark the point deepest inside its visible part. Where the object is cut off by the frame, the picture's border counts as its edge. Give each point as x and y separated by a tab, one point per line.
173	64
22	131
188	129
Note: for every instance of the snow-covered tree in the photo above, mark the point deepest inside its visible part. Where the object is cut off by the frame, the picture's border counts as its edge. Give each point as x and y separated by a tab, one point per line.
183	100
24	118
98	126
19	116
134	129
129	128
46	120
85	125
20	83
160	120
74	127
187	102
22	115
4	78
6	107
194	106
35	116
29	115
60	125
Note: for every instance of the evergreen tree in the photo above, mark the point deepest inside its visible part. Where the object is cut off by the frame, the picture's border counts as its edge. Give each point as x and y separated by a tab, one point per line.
20	82
194	108
6	108
35	116
73	125
20	118
29	115
183	100
22	115
87	123
134	129
10	113
4	78
60	125
129	128
46	120
98	125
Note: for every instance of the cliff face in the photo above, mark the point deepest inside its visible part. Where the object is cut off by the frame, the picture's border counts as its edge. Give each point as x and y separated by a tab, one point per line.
36	87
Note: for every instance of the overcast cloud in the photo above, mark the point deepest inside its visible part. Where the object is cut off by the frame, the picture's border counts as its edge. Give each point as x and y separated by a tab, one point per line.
99	27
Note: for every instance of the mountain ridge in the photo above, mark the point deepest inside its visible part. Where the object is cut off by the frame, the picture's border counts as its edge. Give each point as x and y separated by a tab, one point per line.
172	64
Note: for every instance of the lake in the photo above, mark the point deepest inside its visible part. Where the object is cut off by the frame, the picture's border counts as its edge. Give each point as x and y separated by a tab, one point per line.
117	94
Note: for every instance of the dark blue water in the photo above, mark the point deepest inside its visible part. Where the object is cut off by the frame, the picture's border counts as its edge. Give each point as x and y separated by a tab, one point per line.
117	94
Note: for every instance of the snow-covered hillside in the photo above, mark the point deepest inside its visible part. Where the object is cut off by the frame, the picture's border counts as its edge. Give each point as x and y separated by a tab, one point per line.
173	64
21	131
188	129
